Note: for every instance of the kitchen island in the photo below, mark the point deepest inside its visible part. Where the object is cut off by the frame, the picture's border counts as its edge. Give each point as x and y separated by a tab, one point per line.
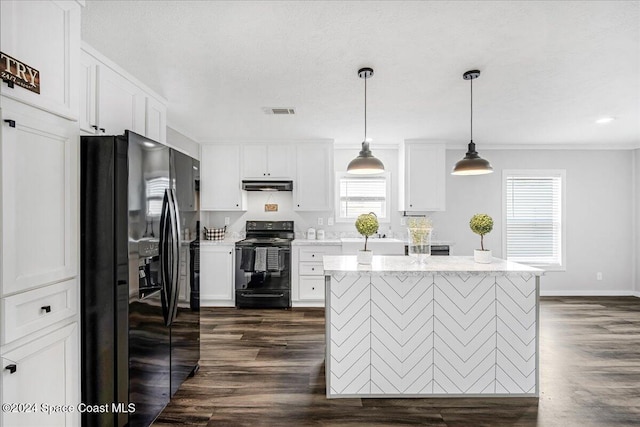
447	328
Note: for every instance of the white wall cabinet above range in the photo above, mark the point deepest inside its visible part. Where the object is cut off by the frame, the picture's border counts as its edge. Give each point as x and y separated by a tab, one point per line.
267	161
313	184
220	182
216	275
422	177
46	36
111	101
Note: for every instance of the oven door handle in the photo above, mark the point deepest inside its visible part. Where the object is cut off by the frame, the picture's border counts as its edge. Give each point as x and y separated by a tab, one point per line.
262	295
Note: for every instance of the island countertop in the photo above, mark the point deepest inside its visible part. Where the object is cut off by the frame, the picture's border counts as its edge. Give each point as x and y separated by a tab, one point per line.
435	264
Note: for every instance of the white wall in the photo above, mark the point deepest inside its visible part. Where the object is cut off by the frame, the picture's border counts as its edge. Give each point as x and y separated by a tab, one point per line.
599	212
636	214
183	143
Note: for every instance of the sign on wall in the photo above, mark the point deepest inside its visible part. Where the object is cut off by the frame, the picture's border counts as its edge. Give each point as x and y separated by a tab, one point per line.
19	73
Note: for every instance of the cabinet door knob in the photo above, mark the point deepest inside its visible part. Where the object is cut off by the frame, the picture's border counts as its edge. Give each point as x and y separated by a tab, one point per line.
9	83
410	206
11	368
313	288
12	123
313	269
269	174
264	174
313	255
229	252
237	205
46	308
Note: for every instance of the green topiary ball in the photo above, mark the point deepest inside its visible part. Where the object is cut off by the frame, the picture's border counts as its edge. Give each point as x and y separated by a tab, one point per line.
367	224
481	224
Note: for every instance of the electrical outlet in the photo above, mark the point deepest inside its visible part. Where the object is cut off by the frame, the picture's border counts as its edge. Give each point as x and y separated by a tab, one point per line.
320	221
599	275
226	220
330	220
403	221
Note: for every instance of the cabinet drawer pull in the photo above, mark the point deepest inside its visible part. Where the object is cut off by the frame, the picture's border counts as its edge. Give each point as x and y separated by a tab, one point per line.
95	127
12	123
8	82
11	368
46	308
103	130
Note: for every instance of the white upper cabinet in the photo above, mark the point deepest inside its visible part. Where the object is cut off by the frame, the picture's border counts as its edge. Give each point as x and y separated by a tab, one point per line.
45	36
422	178
121	104
313	185
87	79
39	197
156	120
220	182
112	101
267	161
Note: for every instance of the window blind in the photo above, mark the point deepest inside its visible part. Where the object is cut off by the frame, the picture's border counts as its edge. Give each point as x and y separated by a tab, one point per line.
155	193
360	195
534	219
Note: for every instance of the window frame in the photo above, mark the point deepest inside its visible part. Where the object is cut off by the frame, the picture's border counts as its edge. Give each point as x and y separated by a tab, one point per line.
345	174
562	174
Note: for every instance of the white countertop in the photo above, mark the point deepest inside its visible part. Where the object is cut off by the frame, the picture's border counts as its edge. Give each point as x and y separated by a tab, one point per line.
227	241
434	264
323	242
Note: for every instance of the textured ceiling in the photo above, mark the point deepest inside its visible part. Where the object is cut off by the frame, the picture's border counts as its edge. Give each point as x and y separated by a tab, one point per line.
549	68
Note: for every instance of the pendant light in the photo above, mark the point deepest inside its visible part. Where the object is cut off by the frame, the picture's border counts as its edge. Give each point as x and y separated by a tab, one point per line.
365	163
472	163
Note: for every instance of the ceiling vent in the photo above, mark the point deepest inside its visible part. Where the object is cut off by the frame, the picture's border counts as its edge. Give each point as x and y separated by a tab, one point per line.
278	110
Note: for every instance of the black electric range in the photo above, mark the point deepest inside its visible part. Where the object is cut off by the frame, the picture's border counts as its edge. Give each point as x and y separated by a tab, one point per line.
263	265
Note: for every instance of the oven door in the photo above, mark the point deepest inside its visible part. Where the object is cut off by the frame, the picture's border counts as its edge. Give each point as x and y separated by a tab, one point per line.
263	277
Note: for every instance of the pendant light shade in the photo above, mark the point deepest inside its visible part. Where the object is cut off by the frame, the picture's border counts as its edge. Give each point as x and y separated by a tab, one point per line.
365	163
472	163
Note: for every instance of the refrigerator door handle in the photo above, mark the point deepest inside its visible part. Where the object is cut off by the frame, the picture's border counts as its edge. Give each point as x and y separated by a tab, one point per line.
175	257
165	276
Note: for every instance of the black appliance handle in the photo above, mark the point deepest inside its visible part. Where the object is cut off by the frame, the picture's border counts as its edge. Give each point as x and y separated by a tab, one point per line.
165	229
262	295
175	252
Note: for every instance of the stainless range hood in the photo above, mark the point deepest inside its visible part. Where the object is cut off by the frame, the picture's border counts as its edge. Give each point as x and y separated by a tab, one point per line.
267	185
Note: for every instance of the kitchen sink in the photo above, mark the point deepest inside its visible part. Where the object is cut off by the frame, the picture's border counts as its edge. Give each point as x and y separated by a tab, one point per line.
379	246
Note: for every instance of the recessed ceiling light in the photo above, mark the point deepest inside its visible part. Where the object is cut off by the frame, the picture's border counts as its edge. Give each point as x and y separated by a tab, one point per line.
604	120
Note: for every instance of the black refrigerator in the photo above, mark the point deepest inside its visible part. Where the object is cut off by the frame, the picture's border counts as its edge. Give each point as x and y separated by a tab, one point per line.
139	277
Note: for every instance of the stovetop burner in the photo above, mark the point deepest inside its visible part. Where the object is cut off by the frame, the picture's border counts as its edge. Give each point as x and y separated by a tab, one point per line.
268	233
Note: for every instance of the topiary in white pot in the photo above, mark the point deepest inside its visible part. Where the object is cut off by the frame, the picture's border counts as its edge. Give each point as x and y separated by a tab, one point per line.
481	224
367	225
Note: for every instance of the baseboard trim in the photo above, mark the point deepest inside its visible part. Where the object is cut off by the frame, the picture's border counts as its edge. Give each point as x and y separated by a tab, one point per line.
589	294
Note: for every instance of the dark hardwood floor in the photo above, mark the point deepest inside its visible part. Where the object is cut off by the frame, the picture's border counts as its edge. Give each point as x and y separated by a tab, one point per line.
266	368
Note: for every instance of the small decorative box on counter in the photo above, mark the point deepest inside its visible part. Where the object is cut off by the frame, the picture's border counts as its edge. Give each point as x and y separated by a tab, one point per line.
215	233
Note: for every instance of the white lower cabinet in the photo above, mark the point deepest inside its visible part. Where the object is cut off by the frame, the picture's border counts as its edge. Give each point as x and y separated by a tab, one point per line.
307	274
216	275
39	376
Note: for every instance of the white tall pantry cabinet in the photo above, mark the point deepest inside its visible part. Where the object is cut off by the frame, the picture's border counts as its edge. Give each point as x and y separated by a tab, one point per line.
39	145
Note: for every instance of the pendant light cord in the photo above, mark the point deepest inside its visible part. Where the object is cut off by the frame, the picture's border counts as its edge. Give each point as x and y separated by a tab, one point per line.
365	109
471	110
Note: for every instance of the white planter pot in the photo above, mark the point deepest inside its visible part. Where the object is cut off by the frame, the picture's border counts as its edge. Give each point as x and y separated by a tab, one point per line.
482	257
365	257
